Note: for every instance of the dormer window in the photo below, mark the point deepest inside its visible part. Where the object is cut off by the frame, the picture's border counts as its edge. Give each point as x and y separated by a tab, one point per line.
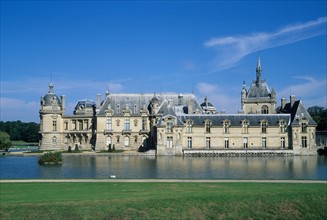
304	126
189	126
245	126
169	126
264	125
226	125
282	126
208	124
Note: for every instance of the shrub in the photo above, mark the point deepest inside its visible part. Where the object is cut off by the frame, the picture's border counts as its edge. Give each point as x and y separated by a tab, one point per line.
51	158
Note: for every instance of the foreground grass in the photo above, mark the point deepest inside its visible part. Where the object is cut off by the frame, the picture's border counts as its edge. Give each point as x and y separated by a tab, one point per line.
113	200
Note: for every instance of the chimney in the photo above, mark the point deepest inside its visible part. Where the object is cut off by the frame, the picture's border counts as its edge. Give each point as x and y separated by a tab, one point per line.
190	106
99	101
292	100
63	103
283	102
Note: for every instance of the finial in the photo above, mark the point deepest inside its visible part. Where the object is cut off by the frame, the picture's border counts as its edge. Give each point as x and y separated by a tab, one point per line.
258	71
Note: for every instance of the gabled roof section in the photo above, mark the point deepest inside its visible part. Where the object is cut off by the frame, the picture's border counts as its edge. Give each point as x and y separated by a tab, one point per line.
297	111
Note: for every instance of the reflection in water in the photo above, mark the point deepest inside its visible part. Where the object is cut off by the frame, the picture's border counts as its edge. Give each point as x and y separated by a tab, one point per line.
138	167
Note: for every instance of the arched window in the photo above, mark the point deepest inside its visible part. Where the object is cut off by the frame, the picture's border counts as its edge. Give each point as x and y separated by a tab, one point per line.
264	109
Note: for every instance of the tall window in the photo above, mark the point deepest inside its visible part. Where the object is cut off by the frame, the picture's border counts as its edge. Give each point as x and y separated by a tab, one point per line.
282	142
189	142
109	123
226	126
169	142
245	143
54	125
74	124
126	141
304	126
282	126
245	126
304	142
264	143
264	109
189	126
86	124
54	141
208	142
66	125
226	143
143	123
169	126
264	125
127	124
208	126
80	125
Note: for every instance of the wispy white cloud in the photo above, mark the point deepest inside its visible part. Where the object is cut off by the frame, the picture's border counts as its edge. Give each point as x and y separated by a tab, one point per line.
17	109
232	49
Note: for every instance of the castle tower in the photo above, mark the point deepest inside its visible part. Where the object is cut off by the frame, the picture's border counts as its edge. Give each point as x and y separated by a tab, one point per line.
258	99
51	112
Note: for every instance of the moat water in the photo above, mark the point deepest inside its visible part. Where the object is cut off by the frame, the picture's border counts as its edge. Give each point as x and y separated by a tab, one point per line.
167	167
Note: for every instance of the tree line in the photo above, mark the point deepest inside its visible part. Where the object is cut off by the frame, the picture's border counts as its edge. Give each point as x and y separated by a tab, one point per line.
18	130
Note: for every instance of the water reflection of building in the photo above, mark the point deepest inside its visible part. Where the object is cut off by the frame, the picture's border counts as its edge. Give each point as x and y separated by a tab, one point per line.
173	123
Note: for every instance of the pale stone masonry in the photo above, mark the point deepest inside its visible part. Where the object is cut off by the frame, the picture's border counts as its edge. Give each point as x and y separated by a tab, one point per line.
172	123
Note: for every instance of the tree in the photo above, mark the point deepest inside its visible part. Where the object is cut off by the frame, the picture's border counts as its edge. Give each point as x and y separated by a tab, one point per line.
319	114
5	142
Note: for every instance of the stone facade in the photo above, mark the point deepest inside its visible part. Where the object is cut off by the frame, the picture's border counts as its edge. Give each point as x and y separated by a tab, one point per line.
173	123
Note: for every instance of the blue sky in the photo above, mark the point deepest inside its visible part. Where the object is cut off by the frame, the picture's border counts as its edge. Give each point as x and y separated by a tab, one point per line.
210	47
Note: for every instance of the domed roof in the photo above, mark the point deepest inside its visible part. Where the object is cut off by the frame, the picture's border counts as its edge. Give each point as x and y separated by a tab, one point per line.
51	98
208	106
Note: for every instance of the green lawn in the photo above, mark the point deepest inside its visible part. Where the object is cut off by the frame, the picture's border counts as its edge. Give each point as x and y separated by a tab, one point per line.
115	200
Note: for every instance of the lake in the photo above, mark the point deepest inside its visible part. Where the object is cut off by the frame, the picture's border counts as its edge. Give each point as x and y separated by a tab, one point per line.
167	167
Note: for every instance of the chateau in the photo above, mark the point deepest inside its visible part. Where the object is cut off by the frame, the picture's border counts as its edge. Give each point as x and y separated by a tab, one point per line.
177	124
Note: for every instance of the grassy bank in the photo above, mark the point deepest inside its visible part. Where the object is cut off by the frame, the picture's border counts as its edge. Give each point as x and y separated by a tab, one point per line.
163	201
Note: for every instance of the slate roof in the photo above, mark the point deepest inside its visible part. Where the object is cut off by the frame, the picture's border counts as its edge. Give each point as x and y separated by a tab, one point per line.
136	102
236	119
258	90
297	111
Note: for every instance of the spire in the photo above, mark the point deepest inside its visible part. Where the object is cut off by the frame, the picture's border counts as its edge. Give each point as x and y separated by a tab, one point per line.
258	71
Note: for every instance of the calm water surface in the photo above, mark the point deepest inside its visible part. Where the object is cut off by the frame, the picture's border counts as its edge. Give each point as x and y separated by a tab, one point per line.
138	167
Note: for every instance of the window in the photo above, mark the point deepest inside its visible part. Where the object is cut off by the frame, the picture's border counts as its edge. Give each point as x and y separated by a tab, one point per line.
282	142
54	125
226	126
304	142
86	123
264	109
245	143
208	142
143	123
169	142
264	143
109	123
245	126
189	142
74	125
126	141
80	125
304	126
66	125
226	143
127	124
54	141
208	126
169	126
282	126
189	125
264	127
